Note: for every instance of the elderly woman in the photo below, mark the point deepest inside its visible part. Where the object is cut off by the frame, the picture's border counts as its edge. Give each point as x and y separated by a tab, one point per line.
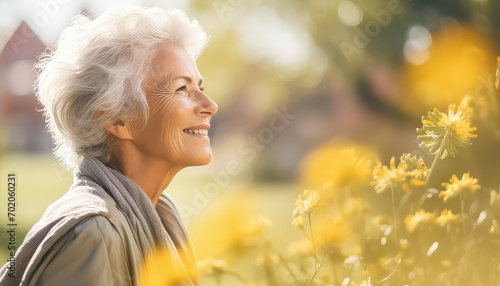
125	106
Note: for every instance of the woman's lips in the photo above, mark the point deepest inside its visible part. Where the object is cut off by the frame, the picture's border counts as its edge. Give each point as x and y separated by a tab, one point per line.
198	130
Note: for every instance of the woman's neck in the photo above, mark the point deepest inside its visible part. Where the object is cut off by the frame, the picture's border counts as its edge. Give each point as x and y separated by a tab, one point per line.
150	173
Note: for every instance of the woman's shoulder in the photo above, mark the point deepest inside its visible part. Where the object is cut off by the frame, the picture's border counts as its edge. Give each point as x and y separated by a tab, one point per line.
93	251
97	229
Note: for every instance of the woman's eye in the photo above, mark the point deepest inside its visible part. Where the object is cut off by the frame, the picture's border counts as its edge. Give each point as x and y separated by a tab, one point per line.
182	88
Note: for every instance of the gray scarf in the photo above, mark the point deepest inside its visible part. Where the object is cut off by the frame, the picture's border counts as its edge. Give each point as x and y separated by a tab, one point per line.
96	186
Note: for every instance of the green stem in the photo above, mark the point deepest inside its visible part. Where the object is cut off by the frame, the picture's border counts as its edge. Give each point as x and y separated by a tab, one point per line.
287	266
312	240
394	212
435	158
462	208
319	266
432	167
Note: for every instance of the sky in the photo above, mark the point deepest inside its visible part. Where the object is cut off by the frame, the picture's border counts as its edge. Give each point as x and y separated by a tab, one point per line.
47	18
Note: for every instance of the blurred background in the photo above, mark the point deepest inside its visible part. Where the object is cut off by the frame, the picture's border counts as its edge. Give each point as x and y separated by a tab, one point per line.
292	78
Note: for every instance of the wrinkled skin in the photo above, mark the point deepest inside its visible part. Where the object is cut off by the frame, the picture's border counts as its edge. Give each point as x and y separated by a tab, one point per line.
151	156
176	103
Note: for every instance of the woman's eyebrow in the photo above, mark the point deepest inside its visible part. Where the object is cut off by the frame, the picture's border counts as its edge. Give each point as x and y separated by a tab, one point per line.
189	79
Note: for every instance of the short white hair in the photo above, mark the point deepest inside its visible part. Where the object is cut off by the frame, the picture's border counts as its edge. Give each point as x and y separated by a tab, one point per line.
98	67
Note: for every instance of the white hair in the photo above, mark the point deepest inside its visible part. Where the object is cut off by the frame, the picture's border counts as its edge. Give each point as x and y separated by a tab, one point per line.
94	76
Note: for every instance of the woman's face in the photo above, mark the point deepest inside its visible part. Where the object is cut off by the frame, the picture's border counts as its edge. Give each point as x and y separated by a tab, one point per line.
180	112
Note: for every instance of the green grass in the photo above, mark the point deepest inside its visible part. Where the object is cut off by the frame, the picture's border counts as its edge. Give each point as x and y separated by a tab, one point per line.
41	180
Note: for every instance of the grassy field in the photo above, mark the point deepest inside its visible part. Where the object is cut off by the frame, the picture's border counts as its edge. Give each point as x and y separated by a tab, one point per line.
41	181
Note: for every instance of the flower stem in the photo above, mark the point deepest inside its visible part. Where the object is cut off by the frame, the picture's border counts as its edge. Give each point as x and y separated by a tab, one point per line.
312	240
319	266
394	212
462	208
285	263
432	167
440	150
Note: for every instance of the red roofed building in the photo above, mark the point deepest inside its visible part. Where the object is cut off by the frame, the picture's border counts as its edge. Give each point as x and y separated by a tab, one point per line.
25	125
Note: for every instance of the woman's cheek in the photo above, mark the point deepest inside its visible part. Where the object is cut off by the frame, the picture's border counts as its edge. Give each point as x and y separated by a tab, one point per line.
172	115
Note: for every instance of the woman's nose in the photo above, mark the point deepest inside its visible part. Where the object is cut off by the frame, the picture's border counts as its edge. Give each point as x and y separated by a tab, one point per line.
206	106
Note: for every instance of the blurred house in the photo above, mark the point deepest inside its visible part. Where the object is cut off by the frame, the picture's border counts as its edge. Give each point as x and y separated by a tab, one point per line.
25	126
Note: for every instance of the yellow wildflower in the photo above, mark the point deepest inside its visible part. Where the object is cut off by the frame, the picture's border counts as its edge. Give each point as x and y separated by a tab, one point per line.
403	243
160	269
447	218
306	204
455	187
298	221
332	167
418	220
442	133
385	178
228	224
494	226
498	73
416	167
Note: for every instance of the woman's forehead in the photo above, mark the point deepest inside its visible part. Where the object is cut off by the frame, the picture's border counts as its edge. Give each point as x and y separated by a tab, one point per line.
172	62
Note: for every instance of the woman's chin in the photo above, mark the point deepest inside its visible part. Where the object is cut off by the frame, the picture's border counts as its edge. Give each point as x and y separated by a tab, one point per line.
201	159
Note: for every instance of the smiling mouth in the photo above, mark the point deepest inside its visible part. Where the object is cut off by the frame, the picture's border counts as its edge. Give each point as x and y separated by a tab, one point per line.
198	132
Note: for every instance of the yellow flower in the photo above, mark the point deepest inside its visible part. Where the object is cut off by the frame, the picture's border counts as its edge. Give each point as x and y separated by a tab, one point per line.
333	167
442	133
455	187
403	243
306	204
494	226
385	178
447	218
298	221
498	73
418	220
229	224
416	167
160	269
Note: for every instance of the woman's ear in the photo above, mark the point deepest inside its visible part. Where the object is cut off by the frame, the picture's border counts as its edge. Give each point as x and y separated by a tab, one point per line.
120	130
